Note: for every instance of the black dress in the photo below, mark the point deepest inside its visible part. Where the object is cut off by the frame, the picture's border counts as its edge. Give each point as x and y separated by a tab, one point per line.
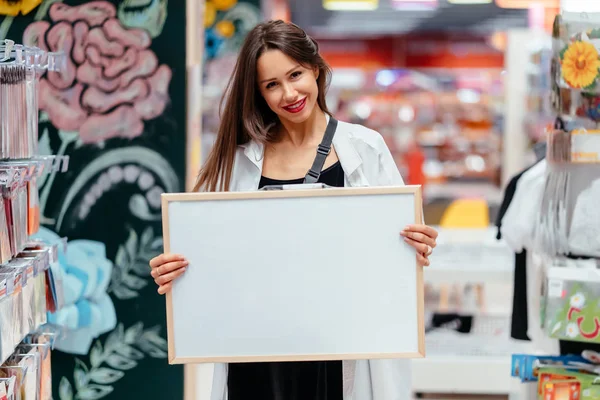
303	380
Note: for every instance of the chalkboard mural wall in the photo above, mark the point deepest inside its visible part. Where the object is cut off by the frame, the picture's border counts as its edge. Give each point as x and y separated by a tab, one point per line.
118	111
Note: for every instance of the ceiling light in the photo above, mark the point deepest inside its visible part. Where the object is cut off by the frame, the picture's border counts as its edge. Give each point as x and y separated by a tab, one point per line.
468	96
350	5
470	1
406	114
362	110
385	77
523	4
415	5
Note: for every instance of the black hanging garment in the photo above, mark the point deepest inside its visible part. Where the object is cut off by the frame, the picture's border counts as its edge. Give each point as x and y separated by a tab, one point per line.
519	319
294	380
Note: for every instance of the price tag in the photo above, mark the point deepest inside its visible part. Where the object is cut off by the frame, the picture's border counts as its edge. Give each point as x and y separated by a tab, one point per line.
555	288
10	284
585	146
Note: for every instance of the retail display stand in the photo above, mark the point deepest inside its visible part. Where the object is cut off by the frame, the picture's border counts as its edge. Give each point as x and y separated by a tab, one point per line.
477	362
274	304
29	287
563	237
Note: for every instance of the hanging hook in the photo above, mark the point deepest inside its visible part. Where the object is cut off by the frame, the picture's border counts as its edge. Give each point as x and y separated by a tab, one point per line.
8	46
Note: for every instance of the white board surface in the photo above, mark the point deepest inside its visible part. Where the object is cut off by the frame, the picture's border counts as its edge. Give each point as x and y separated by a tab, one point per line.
294	275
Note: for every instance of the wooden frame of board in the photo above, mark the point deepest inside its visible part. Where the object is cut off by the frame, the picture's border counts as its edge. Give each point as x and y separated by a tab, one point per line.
296	193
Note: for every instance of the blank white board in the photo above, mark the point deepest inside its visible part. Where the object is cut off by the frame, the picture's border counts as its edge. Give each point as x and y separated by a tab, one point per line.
304	274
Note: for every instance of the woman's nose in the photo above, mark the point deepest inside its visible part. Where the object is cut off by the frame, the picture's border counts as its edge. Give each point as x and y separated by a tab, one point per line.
289	93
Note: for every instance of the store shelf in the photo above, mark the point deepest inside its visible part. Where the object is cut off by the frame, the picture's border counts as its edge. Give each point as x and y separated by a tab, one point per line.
462	374
454	190
443	274
470	256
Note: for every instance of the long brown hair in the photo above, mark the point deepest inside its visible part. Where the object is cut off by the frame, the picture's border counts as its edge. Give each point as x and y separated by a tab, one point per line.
245	115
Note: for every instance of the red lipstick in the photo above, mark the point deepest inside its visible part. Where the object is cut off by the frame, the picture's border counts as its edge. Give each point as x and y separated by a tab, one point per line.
296	107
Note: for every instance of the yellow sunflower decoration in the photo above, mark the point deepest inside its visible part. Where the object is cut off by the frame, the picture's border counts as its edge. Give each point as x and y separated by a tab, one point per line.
14	7
210	14
225	28
223	5
580	65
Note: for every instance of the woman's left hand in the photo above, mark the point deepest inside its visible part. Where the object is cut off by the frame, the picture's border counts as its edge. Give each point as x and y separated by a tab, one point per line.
422	238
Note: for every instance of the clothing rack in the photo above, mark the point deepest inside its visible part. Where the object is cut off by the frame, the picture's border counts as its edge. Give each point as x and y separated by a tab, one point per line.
30	283
550	223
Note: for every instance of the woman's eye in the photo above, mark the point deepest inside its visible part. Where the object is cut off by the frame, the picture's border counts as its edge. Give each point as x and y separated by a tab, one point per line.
270	85
296	74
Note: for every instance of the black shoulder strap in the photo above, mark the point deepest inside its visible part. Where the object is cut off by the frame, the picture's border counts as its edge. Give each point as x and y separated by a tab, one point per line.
323	151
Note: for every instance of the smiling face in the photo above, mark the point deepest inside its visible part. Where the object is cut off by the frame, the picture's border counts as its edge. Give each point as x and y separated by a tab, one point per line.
289	89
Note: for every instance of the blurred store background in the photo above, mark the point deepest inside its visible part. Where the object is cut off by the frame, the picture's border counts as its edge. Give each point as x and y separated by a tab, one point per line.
458	88
461	91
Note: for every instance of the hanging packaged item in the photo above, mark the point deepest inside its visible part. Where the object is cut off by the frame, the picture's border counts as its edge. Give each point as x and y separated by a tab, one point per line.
16	207
42	342
571	301
7	388
33	207
576	47
13	112
568	223
577	146
5	250
24	369
9	311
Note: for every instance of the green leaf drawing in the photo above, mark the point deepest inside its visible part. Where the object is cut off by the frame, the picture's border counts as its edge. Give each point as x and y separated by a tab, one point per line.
120	362
132	270
96	355
130	352
133	333
65	391
121	351
94	392
106	376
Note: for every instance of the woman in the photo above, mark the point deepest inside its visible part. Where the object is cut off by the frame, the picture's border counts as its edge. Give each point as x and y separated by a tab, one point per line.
276	127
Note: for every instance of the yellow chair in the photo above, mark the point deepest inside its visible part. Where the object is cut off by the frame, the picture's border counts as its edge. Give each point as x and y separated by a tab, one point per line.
466	213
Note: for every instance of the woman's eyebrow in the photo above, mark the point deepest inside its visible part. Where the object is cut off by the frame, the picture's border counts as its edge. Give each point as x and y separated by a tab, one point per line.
272	79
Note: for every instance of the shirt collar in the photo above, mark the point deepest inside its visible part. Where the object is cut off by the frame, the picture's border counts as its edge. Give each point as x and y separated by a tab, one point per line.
342	143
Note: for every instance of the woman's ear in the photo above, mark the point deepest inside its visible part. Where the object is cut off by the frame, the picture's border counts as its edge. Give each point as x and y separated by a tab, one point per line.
316	72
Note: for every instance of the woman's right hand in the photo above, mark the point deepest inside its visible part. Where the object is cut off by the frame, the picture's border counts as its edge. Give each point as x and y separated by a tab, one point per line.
165	269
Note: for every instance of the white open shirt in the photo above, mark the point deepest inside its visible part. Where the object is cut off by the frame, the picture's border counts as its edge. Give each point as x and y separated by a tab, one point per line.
366	161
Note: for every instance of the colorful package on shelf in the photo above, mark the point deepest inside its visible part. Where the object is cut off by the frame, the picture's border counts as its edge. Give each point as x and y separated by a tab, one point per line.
7	388
22	300
576	51
24	369
44	369
33	207
11	309
5	252
30	365
589	389
572	304
41	259
54	280
526	366
15	206
568	389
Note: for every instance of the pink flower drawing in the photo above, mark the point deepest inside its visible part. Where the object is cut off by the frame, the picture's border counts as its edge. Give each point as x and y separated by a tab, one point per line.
112	82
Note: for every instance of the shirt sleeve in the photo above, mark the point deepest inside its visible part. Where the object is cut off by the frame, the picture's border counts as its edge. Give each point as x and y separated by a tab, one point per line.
387	166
